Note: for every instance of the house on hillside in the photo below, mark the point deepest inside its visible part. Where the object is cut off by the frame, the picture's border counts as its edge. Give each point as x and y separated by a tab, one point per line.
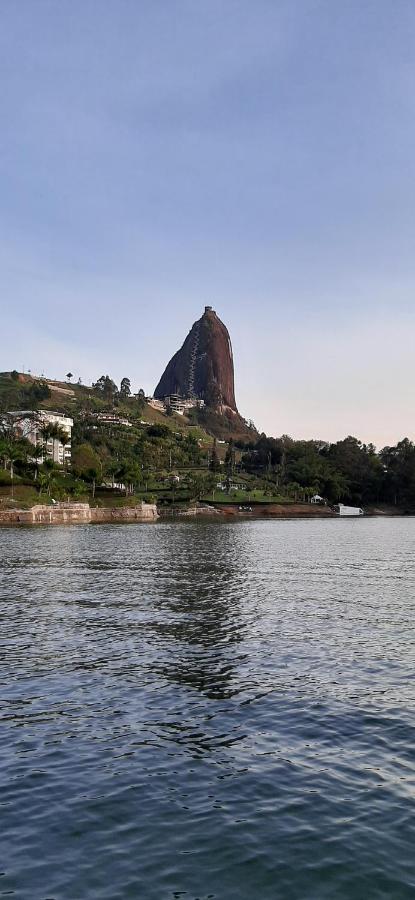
231	486
176	403
110	419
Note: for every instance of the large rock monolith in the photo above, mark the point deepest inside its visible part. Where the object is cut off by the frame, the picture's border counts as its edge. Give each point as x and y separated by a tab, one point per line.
203	367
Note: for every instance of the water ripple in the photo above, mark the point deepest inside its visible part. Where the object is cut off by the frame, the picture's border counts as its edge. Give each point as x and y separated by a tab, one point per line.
208	711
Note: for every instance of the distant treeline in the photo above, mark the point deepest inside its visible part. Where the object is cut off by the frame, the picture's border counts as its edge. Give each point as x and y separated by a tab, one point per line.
347	470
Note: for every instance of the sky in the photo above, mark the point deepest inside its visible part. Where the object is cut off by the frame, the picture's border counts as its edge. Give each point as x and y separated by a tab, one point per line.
256	157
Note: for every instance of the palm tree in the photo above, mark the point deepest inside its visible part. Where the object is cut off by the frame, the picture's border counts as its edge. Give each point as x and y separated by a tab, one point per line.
37	454
13	454
293	489
47	432
130	473
63	437
3	451
46	480
58	435
112	471
43	481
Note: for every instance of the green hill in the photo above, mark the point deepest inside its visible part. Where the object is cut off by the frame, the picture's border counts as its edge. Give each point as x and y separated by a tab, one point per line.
117	439
120	439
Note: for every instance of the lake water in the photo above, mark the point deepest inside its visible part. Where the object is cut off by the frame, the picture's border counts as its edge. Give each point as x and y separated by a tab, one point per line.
208	711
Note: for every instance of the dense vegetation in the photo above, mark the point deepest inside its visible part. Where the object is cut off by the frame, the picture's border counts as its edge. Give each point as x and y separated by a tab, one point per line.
152	455
346	471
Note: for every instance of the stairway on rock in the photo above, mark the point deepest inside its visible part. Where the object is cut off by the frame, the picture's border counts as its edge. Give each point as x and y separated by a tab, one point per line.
193	359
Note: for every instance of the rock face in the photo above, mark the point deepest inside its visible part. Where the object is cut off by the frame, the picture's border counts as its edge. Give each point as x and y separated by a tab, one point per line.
203	367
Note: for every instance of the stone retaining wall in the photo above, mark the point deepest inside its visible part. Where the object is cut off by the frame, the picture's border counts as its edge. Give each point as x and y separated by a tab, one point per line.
144	512
77	514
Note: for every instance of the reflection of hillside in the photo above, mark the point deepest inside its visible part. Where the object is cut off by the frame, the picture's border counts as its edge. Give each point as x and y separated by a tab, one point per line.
200	623
162	602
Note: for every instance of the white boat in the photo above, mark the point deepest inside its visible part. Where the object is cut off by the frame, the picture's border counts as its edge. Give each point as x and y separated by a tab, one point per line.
343	510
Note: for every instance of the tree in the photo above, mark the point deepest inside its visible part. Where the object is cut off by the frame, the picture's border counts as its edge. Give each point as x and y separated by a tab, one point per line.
360	466
50	430
13	452
14	448
399	472
293	490
158	431
191	448
140	399
35	393
46	431
111	470
125	387
200	485
87	464
14	455
47	477
131	474
37	455
230	458
214	464
64	439
106	388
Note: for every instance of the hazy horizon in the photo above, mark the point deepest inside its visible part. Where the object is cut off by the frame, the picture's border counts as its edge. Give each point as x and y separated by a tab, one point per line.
259	159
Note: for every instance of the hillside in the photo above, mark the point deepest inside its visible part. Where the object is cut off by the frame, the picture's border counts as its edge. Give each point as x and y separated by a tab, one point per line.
23	391
123	447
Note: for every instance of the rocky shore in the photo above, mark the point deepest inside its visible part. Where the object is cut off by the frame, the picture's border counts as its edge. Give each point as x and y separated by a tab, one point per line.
257	510
279	511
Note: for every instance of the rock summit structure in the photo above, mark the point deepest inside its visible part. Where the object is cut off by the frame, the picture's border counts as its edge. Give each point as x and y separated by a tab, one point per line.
203	367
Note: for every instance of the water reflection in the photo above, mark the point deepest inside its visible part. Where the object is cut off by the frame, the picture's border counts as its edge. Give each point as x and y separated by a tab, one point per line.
200	623
198	710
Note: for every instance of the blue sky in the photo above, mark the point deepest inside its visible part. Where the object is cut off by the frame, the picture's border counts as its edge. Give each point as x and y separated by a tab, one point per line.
258	157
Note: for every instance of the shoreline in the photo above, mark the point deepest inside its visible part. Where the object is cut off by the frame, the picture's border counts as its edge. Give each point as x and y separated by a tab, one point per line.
83	514
78	514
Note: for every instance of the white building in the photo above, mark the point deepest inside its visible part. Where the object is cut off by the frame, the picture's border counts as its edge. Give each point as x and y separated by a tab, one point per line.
232	486
178	404
31	425
182	405
111	419
155	404
343	510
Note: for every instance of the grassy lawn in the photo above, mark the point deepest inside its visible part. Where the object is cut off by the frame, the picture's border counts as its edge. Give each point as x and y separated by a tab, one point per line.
157	491
24	496
244	498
